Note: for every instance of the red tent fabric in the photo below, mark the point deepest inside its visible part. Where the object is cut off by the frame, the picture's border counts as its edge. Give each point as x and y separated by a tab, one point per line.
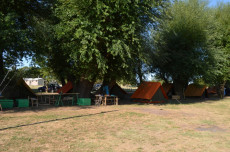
147	90
66	88
212	90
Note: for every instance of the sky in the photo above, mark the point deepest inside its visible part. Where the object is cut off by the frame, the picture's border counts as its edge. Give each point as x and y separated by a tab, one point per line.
212	3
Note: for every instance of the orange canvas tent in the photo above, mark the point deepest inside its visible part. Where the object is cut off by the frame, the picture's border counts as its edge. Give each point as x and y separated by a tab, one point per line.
151	92
66	88
194	90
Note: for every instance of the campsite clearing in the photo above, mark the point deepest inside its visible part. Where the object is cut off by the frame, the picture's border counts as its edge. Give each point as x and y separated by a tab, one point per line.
200	126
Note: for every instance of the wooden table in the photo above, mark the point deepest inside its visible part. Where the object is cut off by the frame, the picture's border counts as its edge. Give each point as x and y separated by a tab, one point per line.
110	98
44	95
58	97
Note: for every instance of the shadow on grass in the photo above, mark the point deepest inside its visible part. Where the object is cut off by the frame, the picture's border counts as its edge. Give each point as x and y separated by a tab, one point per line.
58	119
41	108
190	100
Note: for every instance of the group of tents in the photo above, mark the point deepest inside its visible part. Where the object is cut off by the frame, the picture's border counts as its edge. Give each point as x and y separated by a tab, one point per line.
154	92
151	92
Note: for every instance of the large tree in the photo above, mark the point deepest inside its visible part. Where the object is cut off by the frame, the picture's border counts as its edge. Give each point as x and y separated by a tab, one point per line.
180	43
16	26
219	42
99	39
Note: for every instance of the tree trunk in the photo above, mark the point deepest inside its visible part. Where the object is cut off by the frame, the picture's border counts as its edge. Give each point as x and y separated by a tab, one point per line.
63	81
220	89
139	72
84	87
179	87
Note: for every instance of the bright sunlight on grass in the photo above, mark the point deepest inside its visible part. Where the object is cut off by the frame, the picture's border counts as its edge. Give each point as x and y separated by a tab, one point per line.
200	126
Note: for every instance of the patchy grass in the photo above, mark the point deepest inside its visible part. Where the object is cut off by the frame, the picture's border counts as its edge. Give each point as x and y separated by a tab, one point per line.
203	126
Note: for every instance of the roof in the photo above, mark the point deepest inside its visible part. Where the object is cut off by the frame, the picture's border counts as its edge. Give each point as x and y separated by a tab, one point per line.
194	90
147	90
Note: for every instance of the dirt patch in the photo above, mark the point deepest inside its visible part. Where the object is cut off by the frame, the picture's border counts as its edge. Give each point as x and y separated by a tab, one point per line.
154	111
211	129
165	112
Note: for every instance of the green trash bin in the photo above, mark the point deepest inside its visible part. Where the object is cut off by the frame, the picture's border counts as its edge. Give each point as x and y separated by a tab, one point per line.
22	103
6	103
84	101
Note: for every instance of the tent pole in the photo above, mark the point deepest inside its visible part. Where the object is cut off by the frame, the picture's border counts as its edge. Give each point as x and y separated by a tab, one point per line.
4	78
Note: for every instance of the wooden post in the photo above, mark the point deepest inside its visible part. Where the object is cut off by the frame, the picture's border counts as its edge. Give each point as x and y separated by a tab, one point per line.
105	100
116	100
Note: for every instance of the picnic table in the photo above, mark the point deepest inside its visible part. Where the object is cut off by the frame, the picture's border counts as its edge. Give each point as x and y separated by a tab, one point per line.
59	98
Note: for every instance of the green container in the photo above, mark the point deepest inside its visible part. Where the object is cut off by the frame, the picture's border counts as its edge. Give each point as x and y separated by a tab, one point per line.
6	103
22	102
84	101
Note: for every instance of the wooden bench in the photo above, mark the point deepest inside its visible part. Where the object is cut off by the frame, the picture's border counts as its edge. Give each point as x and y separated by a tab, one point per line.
34	101
98	100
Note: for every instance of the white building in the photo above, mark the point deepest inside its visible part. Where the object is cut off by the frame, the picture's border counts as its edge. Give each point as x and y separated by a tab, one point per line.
34	81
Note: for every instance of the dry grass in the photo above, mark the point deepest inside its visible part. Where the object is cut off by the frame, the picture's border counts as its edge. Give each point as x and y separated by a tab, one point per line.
186	127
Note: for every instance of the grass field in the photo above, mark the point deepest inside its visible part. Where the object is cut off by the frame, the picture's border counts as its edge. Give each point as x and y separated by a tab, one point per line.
202	126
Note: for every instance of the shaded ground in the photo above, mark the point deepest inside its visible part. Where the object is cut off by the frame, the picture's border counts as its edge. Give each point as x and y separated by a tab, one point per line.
198	126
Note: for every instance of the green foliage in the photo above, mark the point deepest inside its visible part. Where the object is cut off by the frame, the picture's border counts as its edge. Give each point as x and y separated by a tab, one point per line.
98	39
13	40
30	72
16	26
219	43
181	42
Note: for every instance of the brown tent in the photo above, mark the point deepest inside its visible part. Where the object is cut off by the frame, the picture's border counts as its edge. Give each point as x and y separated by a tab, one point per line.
17	88
195	90
118	91
114	89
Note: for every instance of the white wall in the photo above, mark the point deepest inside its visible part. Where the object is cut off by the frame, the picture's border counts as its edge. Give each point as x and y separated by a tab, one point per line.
34	81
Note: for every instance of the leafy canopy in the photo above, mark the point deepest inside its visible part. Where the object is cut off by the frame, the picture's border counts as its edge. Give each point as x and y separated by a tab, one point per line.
181	42
101	37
